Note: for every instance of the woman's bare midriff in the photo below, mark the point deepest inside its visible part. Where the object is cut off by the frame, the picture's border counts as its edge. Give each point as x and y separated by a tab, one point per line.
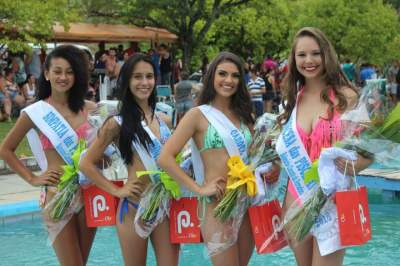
142	181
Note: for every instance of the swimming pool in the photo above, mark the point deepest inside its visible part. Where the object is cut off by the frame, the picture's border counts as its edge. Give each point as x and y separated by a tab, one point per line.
23	242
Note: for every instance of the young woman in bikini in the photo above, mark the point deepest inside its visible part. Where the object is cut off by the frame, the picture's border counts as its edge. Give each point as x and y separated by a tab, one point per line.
137	105
62	88
317	92
224	92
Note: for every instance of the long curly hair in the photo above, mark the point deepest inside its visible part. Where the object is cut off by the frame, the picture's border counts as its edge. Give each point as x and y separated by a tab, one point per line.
79	64
129	110
240	101
332	75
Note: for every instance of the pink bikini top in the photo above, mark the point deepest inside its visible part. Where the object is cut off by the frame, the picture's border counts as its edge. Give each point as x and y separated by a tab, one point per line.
323	135
81	132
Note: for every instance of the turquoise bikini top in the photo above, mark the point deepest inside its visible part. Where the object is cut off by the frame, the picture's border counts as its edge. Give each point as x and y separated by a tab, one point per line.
212	140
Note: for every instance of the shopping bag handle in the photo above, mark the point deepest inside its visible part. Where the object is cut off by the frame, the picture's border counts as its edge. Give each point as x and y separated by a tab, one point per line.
354	173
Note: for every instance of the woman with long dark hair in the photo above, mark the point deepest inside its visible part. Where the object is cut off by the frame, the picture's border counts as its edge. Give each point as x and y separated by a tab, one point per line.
134	127
60	120
224	98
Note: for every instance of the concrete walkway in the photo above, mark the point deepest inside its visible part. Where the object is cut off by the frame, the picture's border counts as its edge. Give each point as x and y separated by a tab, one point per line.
13	189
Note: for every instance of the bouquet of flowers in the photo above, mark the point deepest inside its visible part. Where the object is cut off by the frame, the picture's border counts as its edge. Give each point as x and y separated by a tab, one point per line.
371	129
241	177
68	186
154	203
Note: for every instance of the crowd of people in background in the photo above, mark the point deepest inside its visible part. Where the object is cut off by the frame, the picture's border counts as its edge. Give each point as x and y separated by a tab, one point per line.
20	71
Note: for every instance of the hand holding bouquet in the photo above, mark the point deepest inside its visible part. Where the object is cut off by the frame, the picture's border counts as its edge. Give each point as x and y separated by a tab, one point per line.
241	179
68	186
372	130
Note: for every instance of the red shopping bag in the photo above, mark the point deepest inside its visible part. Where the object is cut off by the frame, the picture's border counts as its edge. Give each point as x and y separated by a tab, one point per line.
184	223
100	206
353	216
266	226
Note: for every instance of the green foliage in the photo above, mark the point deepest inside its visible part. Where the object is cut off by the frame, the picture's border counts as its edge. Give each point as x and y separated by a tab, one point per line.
258	29
31	21
361	30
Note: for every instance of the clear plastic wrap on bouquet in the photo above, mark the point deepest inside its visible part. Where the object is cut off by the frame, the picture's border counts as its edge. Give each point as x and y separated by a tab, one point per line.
262	153
219	236
372	128
153	208
60	209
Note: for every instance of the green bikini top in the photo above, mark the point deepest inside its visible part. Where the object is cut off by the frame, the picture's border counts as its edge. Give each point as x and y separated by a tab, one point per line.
212	140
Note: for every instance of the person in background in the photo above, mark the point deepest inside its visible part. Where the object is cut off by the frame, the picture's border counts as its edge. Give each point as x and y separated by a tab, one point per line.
349	69
5	100
256	87
13	89
270	89
183	96
155	58
29	89
165	64
367	72
98	62
133	48
178	67
112	72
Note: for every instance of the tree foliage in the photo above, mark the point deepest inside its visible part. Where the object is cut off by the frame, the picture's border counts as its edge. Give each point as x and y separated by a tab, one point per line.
258	29
31	21
359	30
190	20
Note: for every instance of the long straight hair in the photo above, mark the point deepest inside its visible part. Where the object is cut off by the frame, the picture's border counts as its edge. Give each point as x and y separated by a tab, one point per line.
240	101
79	64
129	110
332	74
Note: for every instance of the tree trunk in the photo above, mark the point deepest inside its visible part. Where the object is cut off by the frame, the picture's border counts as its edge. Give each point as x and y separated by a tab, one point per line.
187	49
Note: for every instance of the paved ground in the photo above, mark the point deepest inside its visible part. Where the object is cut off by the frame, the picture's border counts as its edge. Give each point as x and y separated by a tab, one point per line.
14	189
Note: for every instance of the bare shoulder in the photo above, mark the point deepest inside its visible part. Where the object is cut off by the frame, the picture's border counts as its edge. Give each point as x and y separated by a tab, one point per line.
193	119
110	129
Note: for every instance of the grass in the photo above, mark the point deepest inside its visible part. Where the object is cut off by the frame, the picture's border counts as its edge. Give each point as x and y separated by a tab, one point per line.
23	149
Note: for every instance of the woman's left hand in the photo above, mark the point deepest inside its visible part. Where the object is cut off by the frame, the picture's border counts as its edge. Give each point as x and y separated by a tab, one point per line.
360	164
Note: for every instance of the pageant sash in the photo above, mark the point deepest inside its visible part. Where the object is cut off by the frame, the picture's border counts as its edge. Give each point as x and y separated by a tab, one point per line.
235	142
53	125
148	158
294	156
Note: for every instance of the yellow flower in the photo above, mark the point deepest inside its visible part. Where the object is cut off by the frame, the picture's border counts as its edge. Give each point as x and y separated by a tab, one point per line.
240	174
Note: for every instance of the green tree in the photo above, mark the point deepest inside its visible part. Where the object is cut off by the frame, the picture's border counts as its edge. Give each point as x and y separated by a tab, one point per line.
31	21
359	30
258	29
190	20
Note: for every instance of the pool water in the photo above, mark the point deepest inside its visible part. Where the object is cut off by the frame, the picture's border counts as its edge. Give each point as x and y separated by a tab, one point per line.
24	243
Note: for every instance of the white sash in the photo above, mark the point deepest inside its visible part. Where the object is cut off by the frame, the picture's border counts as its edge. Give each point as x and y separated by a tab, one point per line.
293	155
148	158
234	140
53	125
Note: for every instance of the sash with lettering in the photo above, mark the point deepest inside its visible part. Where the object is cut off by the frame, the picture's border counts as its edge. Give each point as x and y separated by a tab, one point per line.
53	125
64	139
149	159
223	235
296	161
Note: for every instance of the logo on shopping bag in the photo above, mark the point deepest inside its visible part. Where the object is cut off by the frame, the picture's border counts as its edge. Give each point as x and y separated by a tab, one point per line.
184	220
99	205
276	225
363	219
